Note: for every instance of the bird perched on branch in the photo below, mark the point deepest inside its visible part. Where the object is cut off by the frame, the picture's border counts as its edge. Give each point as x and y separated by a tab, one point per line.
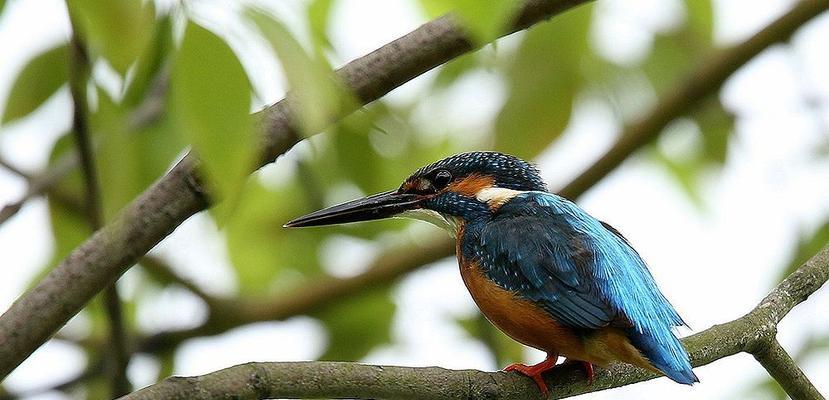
539	267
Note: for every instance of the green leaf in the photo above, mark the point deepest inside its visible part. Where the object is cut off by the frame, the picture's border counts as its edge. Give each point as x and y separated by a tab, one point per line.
128	162
716	125
544	79
670	57
263	252
686	173
319	15
151	62
210	102
485	20
316	90
38	80
358	324
453	70
69	225
117	30
675	53
700	19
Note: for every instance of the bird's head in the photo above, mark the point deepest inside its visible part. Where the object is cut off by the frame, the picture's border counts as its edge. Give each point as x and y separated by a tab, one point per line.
448	192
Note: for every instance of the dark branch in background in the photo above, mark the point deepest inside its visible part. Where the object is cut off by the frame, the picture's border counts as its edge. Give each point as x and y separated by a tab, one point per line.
700	82
93	369
163	272
754	333
152	107
41	183
79	74
697	85
13	169
226	314
98	262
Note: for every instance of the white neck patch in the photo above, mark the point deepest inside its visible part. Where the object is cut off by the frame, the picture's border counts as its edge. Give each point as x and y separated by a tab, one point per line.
446	222
495	196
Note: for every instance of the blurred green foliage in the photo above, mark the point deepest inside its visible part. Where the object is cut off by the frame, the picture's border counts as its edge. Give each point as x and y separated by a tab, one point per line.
114	30
211	105
175	62
38	80
544	78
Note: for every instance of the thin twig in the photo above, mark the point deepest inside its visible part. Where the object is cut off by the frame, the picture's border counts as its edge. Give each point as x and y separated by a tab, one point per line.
79	72
41	183
162	271
352	380
151	107
13	169
93	369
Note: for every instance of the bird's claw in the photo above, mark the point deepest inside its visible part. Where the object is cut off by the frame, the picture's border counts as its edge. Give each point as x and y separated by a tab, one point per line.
588	369
534	372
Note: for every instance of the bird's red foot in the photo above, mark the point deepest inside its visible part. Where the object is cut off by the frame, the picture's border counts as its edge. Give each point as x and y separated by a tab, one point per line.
588	368
535	371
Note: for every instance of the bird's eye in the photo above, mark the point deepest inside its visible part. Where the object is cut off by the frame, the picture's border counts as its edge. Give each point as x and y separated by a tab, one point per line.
442	178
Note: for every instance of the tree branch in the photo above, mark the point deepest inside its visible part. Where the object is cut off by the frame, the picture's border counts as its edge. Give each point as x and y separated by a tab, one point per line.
785	371
755	330
164	273
226	314
99	261
79	74
13	169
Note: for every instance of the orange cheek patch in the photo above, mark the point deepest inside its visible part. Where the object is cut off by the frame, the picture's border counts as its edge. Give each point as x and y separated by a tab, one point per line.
471	185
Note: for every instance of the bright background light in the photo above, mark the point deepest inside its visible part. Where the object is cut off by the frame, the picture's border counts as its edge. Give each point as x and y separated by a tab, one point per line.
714	263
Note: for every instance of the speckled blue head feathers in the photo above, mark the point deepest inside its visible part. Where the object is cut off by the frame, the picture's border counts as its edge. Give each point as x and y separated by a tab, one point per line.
507	171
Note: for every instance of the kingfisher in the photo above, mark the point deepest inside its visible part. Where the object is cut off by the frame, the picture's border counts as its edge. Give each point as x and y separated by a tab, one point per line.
540	268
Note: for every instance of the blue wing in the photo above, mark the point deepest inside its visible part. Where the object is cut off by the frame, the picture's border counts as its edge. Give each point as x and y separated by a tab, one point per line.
582	271
545	262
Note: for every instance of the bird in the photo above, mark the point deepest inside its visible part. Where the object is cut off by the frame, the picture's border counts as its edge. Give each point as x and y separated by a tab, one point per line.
540	268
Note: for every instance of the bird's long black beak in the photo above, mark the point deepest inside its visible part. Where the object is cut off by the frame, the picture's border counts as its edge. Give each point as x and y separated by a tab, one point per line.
378	206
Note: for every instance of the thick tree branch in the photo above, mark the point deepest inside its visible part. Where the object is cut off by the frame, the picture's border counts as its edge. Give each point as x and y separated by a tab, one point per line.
79	74
100	260
755	330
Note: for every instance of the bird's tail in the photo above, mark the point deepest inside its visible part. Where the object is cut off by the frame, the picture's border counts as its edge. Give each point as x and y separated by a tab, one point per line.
671	359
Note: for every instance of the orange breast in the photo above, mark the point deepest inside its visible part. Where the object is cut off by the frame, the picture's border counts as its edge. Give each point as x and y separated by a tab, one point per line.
522	320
